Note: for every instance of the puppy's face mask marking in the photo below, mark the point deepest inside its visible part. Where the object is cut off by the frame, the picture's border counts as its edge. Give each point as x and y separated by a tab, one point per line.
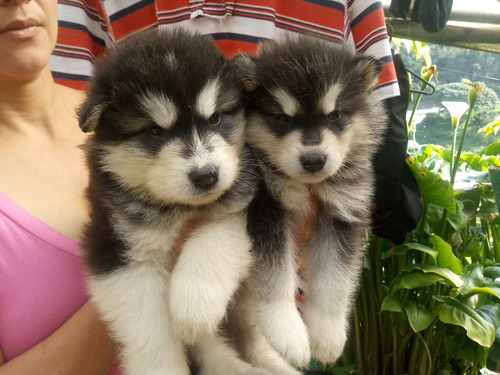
305	107
176	141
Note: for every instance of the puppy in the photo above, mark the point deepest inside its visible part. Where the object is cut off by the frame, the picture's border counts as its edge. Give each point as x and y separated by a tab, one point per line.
170	181
314	127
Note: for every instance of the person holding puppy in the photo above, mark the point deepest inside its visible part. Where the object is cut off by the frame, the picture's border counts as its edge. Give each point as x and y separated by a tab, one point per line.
46	324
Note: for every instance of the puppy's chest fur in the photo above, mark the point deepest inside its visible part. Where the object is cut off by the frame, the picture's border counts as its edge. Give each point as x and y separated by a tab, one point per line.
302	204
142	231
158	234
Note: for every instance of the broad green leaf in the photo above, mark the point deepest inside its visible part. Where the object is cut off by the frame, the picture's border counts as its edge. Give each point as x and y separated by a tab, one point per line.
492	149
391	303
475	161
494	291
452	311
447	274
487	208
473	278
434	218
418	316
403	249
445	257
431	151
491	313
493	160
412	280
458	219
492	272
473	195
432	187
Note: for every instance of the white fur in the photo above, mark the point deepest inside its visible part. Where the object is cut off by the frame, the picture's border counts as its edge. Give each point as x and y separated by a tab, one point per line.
255	347
282	325
213	262
166	177
295	195
343	186
325	313
278	316
288	103
150	242
161	109
206	102
133	301
328	101
216	357
285	152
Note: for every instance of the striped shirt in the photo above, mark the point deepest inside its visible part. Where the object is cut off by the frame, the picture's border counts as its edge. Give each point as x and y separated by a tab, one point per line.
88	27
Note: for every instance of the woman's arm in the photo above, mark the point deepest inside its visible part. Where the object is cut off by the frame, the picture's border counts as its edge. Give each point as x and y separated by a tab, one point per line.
80	346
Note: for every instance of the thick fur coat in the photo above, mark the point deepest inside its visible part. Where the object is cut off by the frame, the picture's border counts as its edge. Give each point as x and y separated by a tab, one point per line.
169	170
315	126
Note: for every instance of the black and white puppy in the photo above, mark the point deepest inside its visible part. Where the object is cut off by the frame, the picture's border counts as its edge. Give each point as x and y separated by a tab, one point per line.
168	170
314	126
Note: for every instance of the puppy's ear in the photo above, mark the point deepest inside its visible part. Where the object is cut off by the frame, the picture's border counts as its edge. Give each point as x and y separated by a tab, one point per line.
245	69
369	69
89	113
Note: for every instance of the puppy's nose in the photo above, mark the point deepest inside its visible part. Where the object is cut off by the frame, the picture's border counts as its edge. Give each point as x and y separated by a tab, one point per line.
205	177
313	162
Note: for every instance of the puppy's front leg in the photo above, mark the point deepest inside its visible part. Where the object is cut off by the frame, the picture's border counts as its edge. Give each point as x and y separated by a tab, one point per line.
213	262
246	335
273	281
132	301
333	263
216	357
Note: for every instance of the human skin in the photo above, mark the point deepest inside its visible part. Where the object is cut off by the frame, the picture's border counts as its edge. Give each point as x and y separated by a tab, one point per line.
39	135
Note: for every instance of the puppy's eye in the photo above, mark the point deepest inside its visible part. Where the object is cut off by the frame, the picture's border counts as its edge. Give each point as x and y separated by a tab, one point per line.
334	115
214	119
284	119
156	130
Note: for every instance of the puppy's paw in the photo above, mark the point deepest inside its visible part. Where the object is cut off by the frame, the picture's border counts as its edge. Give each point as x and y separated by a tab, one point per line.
247	370
282	325
195	313
327	336
257	371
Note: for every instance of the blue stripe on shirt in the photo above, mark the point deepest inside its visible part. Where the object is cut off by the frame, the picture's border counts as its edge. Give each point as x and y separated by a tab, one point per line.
328	3
78	26
364	13
131	9
239	37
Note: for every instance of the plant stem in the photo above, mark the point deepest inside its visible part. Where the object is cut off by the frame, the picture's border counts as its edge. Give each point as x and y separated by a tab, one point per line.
453	146
357	340
495	233
423	221
412	364
460	146
410	121
403	346
395	348
427	352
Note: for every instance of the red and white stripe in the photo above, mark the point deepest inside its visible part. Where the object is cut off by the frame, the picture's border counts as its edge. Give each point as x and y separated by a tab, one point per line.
88	27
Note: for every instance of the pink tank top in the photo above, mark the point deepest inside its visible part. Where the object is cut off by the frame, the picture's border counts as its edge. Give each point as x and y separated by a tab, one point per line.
41	279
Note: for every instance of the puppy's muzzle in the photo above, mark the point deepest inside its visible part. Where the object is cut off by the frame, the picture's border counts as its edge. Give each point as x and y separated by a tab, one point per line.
205	177
313	162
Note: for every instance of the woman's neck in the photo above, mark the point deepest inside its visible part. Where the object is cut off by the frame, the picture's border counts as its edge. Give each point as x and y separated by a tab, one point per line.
37	107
